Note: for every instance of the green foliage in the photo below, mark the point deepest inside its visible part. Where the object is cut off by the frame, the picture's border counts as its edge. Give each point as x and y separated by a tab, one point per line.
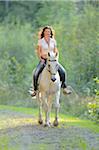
93	106
17	59
22	11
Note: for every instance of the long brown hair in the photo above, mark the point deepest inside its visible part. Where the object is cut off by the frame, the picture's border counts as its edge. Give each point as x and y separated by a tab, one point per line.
41	33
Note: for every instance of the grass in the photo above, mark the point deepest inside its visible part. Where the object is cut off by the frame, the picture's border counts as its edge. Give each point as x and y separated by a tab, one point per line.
65	120
30	111
74	143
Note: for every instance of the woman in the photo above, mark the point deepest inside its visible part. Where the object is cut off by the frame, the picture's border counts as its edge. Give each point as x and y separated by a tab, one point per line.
45	43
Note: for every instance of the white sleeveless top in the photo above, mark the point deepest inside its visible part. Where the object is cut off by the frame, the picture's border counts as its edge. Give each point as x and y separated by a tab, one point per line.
45	46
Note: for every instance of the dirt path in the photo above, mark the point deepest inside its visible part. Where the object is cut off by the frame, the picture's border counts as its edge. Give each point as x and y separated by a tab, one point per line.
18	135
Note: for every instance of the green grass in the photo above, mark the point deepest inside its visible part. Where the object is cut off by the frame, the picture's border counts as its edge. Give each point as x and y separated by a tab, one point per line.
74	143
65	120
19	109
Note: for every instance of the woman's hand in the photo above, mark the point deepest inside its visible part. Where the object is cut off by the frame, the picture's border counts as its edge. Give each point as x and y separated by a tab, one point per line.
42	60
44	55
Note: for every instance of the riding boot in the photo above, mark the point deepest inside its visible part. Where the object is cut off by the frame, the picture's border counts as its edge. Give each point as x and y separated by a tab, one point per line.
36	74
62	74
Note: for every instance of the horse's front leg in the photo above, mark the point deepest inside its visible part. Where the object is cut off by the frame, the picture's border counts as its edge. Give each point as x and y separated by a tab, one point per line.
57	106
47	120
40	120
48	110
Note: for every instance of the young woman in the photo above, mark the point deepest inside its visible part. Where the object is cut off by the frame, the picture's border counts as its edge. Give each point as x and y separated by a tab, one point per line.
45	43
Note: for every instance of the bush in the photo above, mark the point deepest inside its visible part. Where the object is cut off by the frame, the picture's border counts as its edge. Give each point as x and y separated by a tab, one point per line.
93	105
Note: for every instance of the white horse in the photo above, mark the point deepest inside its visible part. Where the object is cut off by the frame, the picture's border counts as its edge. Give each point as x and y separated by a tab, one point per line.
49	89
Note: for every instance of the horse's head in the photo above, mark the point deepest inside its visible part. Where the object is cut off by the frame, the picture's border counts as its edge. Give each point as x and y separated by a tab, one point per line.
52	65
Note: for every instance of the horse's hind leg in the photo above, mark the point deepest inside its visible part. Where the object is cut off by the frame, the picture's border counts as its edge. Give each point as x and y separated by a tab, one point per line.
57	105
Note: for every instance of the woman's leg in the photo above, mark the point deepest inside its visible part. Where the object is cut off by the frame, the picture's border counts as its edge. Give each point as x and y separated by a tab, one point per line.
36	74
62	74
63	78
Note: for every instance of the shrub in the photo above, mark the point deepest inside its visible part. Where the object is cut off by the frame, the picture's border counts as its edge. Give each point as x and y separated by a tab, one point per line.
93	105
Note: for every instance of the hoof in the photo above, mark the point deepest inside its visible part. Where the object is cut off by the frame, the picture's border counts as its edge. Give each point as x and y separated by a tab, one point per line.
47	125
55	123
40	121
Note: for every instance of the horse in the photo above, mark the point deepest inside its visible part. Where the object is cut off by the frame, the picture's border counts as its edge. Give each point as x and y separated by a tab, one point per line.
49	90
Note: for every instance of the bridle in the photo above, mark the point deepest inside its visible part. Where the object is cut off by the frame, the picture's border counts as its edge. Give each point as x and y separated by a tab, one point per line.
48	67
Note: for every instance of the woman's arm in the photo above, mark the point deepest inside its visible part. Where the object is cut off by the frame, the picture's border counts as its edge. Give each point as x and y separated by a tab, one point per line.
39	51
40	54
55	48
57	52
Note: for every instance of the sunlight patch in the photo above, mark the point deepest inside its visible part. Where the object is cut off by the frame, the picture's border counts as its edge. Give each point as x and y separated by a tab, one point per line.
10	123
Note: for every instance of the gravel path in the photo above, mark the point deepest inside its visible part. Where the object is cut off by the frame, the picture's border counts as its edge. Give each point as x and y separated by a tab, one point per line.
30	136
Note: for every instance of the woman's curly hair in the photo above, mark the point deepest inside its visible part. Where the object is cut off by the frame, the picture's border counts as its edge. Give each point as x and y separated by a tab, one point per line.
41	33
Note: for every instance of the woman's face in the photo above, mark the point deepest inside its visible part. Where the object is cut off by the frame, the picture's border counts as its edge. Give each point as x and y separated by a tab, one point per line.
47	33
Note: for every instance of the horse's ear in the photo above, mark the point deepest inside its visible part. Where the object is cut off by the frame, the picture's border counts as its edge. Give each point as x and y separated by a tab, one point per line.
48	54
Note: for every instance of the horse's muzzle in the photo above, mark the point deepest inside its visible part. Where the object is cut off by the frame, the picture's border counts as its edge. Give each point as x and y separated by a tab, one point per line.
53	79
